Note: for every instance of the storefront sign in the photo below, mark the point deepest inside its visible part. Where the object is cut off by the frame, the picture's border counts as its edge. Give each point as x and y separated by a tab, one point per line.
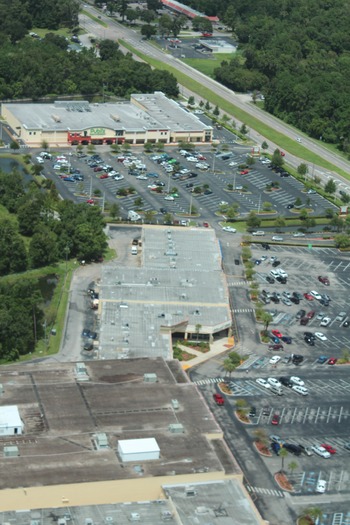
97	131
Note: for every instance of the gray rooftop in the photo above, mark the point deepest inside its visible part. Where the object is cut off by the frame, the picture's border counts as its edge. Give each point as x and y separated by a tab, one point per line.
219	502
180	283
158	113
61	416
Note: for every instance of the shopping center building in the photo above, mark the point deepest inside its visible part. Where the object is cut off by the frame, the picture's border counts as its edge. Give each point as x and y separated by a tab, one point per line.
145	118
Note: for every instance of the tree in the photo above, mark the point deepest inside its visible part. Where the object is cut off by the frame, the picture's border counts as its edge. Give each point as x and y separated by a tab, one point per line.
242	406
277	158
266	318
313	513
244	130
228	366
44	145
43	248
207	106
330	187
14	145
148	31
138	202
37	169
298	202
329	213
121	8
250	160
168	218
292	466
164	25
279	222
303	214
283	454
267	206
148	15
191	101
302	169
200	23
108	49
264	145
154	5
216	111
131	15
342	241
337	223
253	221
309	222
114	210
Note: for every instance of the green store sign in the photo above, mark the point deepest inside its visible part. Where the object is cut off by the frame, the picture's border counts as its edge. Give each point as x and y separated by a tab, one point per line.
97	131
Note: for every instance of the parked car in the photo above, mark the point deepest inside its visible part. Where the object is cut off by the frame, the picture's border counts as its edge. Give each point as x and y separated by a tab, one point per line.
275	419
322	359
332	361
321	486
262	382
276	439
320	336
274	359
329	448
341	316
325	321
270	280
300	314
293	449
320	451
306	450
296	381
324	280
310	314
300	390
286	339
308	297
275	347
273	381
277	333
285	381
252	411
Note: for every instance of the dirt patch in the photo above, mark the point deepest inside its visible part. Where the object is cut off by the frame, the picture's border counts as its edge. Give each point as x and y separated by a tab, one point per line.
282	480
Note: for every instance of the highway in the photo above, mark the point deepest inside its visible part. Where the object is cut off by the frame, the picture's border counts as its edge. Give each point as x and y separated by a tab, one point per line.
116	31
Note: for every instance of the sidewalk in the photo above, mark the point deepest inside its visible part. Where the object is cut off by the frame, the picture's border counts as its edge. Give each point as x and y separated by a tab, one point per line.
216	348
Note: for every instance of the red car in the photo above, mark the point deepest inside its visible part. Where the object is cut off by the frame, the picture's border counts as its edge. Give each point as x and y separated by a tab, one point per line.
90	201
244	172
332	361
98	168
275	419
329	448
308	297
277	333
310	315
323	280
104	176
201	157
219	400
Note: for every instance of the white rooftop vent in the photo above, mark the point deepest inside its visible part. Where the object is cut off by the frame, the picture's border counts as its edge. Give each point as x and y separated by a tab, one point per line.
144	449
150	378
166	515
115	117
89	521
176	428
135	516
190	491
56	118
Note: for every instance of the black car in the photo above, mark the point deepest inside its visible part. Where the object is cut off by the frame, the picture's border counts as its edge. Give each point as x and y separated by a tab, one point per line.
265	246
286	339
162	210
274	299
88	347
300	314
345	324
309	341
270	280
294	300
297	359
290	206
252	412
276	263
297	295
324	302
294	449
285	381
281	280
310	335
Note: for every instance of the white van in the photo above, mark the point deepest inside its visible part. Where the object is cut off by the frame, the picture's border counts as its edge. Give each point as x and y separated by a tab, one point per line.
274	273
300	390
134	250
133	216
282	273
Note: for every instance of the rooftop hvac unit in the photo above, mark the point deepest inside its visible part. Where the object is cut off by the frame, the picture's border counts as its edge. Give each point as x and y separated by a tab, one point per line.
61	521
56	118
175	404
190	491
176	428
150	378
135	516
11	452
115	117
166	515
89	521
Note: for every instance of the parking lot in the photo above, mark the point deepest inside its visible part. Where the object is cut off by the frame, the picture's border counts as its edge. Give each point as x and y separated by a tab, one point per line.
217	178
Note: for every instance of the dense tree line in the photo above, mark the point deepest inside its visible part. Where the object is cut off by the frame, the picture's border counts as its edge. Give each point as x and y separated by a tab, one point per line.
297	53
54	229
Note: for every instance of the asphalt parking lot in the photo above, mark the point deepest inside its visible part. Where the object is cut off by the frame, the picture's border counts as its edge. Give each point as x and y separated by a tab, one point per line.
217	178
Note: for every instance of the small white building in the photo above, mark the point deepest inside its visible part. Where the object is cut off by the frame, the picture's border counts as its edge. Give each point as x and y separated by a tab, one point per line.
10	421
138	449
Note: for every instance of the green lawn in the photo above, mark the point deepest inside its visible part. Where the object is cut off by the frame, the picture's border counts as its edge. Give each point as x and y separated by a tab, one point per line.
271	134
207	65
94	18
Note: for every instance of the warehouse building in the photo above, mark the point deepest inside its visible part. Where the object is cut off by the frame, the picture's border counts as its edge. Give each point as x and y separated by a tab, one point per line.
114	432
145	118
178	291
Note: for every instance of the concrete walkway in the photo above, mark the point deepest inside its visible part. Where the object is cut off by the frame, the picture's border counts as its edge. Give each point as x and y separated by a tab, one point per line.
216	348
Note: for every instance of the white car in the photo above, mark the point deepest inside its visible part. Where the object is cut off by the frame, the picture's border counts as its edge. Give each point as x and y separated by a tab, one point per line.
316	295
320	336
321	486
198	112
39	160
233	163
320	316
192	159
274	359
299	234
259	233
263	382
142	177
118	177
202	166
229	229
223	203
273	381
321	451
300	390
277	238
169	198
325	321
296	381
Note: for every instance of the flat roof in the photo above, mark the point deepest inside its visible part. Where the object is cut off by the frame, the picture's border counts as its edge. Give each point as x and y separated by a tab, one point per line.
61	416
132	446
9	416
179	285
158	113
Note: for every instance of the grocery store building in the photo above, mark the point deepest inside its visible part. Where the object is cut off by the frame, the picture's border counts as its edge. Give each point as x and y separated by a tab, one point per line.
145	118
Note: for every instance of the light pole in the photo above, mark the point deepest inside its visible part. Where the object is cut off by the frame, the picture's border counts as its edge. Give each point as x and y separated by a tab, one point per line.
259	204
191	204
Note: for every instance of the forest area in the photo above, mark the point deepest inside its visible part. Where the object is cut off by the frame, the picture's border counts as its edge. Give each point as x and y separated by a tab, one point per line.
297	53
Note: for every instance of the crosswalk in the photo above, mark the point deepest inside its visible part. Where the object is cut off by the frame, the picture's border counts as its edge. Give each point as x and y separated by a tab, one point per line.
243	310
265	492
210	380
